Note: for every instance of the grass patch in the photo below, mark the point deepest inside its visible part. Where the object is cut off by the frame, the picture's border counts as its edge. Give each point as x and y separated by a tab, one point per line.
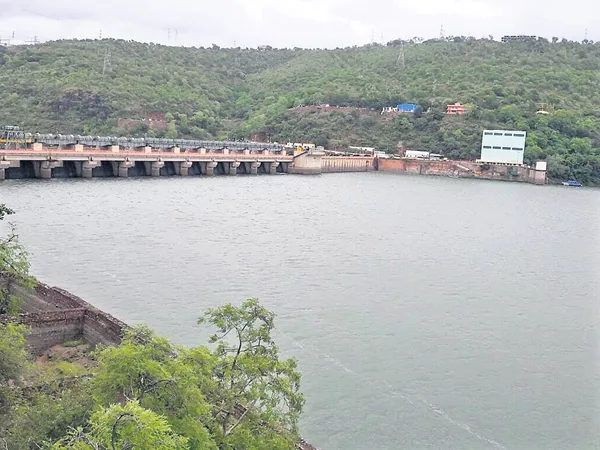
72	344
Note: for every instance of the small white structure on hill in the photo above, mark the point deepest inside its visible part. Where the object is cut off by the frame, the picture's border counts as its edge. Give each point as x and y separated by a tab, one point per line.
415	154
503	146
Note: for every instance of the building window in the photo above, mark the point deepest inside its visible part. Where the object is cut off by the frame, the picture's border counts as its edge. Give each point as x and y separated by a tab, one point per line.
505	148
497	134
518	135
487	147
517	149
487	133
508	134
497	148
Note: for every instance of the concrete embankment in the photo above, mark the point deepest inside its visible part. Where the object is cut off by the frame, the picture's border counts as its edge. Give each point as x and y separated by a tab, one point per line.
463	169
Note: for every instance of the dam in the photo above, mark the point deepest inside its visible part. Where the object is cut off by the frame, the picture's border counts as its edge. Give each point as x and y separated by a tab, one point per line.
49	156
57	156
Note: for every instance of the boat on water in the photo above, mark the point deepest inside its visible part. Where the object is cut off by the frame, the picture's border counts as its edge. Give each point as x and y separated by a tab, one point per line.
572	183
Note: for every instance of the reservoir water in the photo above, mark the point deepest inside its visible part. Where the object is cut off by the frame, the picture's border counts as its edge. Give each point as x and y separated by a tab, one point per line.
426	313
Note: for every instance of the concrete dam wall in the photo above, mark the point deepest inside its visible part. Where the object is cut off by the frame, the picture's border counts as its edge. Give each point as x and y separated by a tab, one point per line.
337	164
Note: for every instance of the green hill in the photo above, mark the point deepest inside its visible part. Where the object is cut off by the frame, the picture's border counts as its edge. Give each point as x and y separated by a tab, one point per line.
86	86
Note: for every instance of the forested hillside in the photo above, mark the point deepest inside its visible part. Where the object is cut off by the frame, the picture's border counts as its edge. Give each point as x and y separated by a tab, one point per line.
86	86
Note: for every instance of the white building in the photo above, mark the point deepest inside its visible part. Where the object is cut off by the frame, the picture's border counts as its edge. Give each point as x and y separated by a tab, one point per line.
380	154
416	154
363	150
503	146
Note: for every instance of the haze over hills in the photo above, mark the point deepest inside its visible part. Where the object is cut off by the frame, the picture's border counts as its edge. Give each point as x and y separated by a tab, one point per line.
85	87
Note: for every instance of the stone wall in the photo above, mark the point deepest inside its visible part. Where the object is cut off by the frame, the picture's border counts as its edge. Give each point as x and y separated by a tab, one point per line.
54	316
463	169
47	329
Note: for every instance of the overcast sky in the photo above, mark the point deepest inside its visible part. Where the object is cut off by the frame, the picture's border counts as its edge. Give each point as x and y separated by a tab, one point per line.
292	23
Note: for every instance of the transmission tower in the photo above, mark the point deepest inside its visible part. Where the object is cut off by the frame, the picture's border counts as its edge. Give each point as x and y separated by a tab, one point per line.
106	65
401	60
33	41
442	33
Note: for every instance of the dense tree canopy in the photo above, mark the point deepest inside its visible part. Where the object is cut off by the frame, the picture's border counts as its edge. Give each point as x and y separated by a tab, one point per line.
86	86
149	394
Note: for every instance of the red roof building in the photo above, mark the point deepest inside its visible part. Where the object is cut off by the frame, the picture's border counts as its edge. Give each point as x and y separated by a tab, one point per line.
456	109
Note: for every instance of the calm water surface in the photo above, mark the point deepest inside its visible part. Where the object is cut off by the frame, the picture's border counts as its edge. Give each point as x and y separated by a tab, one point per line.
425	312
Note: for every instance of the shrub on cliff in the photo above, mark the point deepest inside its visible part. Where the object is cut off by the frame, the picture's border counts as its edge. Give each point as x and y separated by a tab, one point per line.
13	352
14	267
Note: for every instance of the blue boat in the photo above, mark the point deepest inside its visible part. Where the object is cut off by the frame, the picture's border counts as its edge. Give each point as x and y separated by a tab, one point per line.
572	183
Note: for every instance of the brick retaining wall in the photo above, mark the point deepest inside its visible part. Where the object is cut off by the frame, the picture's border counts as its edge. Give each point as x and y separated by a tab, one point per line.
55	316
463	169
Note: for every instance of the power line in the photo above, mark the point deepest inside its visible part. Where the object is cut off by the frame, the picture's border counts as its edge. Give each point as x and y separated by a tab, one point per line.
35	13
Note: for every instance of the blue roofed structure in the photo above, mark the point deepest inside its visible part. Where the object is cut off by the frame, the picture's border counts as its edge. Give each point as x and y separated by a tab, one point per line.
407	108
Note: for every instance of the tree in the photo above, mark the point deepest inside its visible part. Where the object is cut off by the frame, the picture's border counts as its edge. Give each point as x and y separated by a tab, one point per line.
13	352
47	413
249	373
126	426
14	267
171	130
168	380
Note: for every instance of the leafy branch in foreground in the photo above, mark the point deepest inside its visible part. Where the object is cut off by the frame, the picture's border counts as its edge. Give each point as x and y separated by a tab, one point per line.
124	427
249	371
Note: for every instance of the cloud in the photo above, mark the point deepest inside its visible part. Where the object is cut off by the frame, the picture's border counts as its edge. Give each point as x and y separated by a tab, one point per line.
453	8
291	23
